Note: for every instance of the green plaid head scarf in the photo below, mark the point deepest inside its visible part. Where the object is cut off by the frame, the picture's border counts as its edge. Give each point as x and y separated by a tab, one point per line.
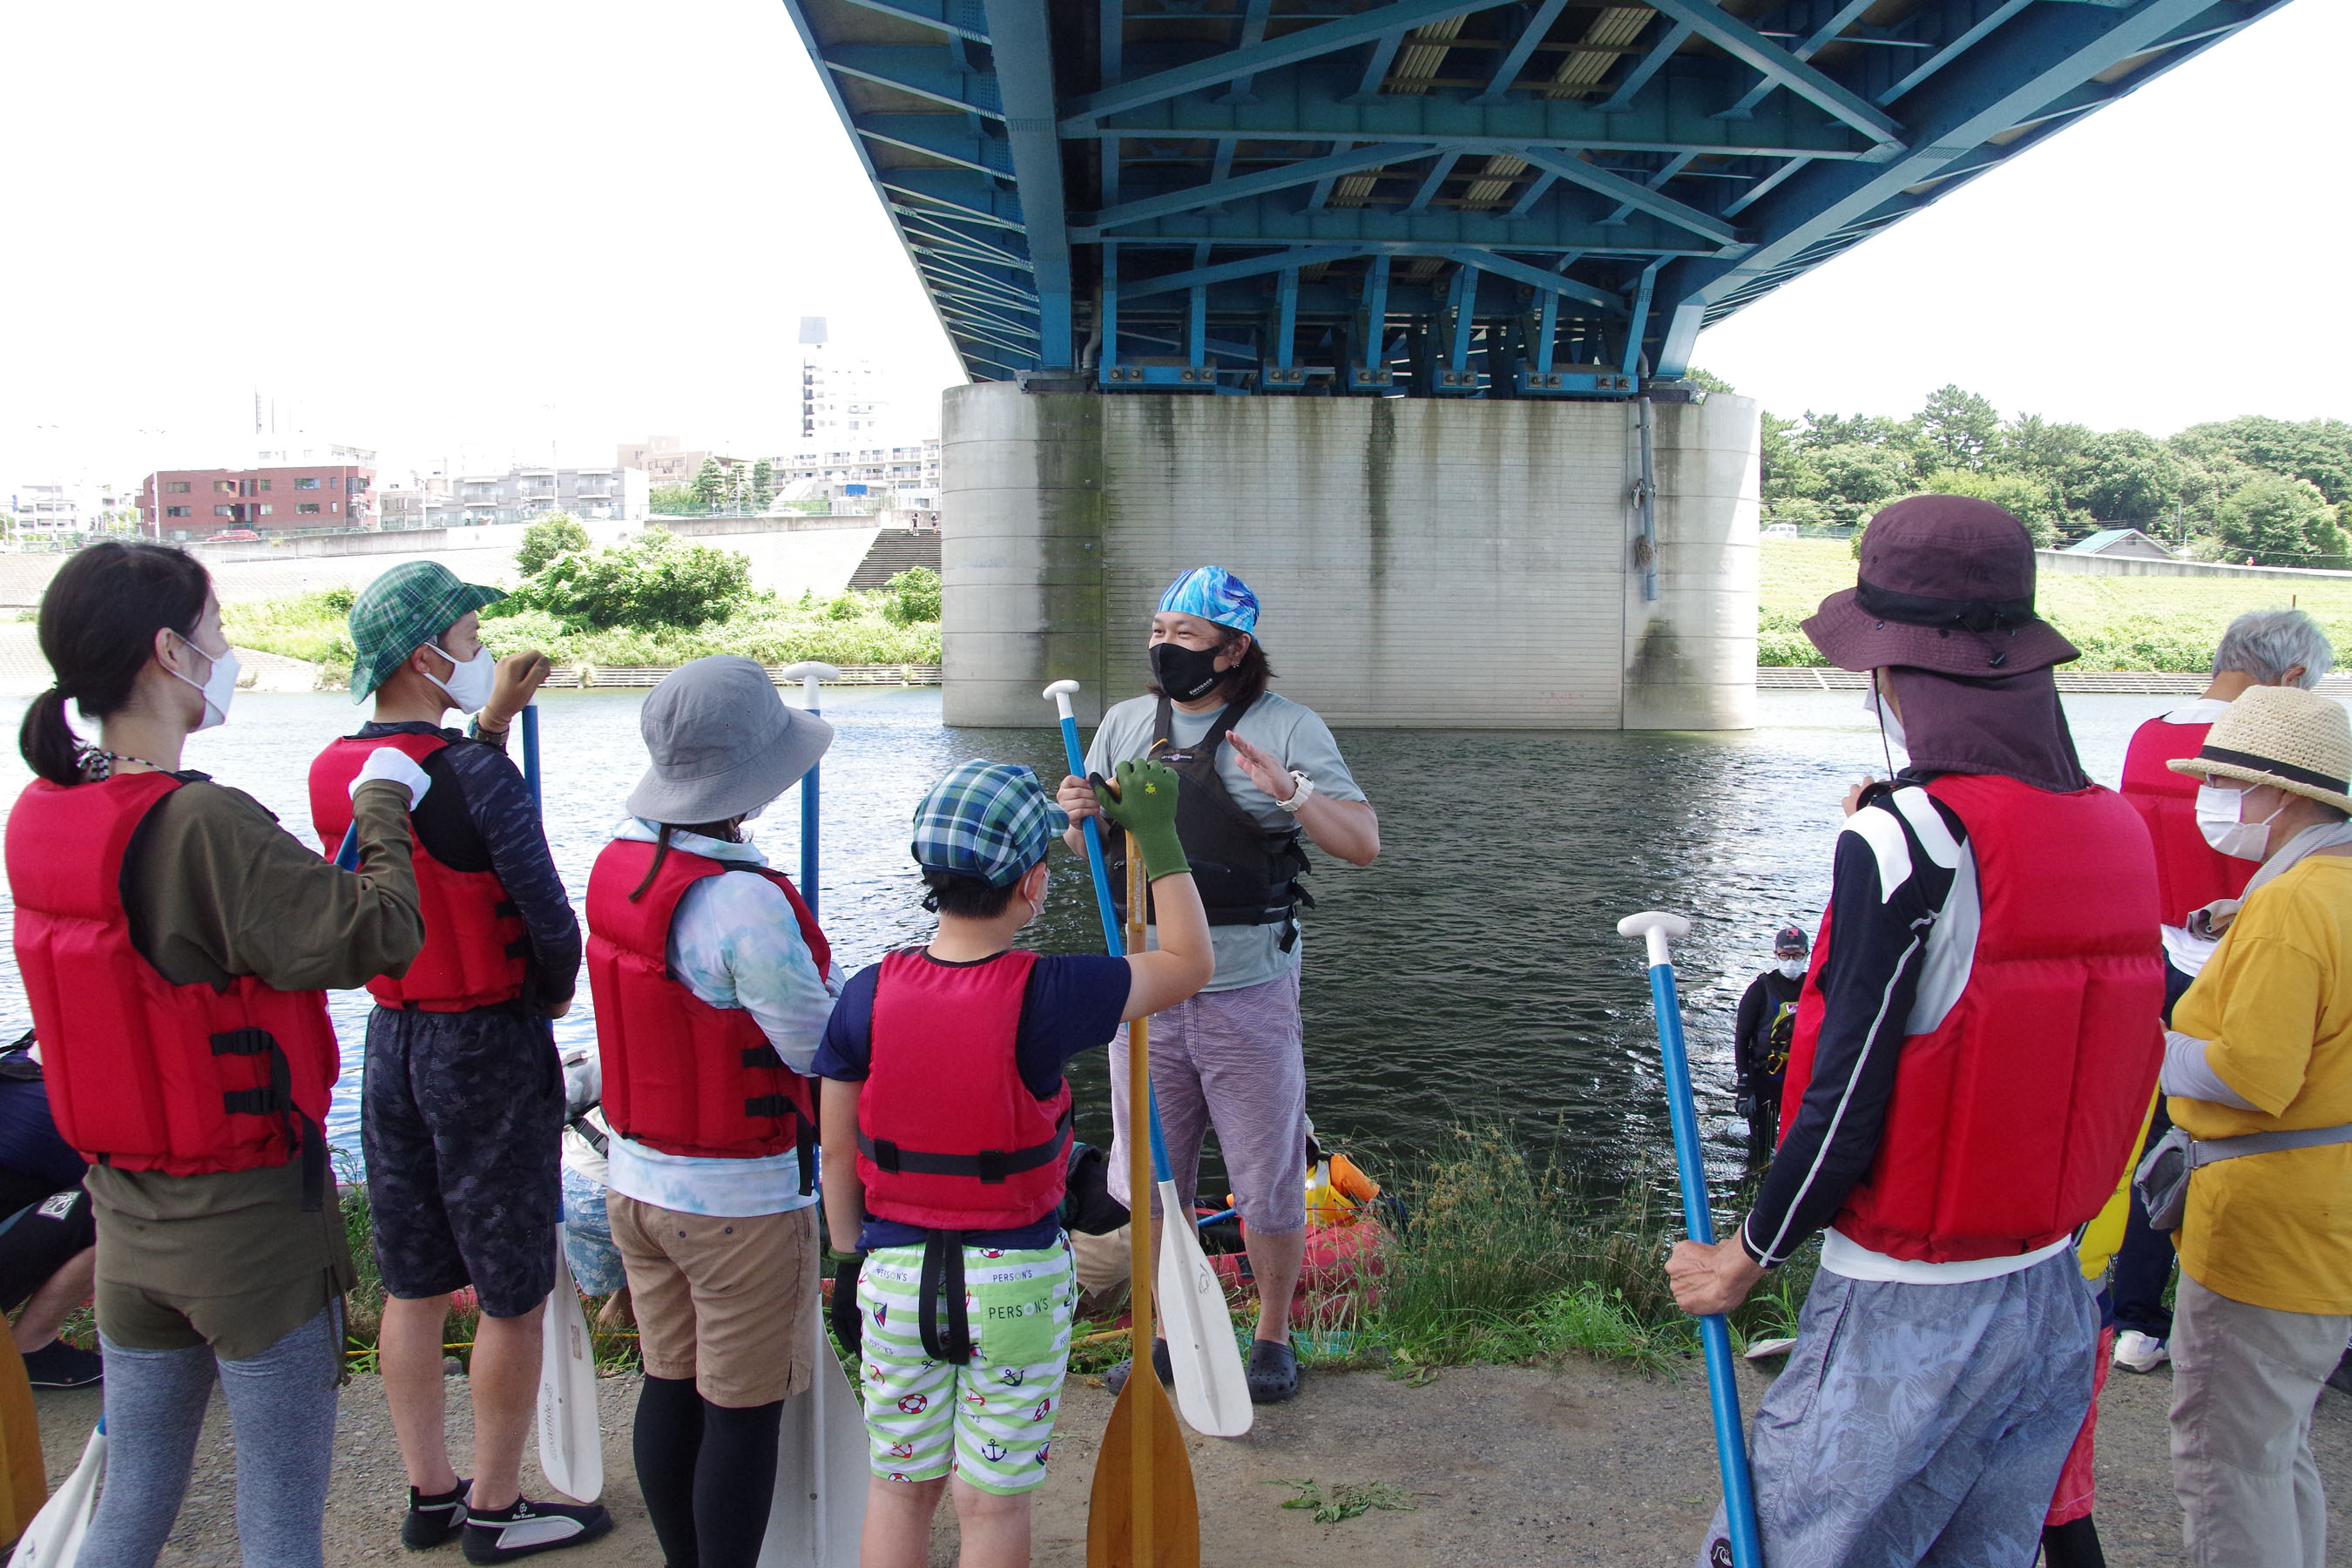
400	611
989	820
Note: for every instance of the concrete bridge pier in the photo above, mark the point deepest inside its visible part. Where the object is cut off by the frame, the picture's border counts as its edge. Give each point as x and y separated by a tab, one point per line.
1423	563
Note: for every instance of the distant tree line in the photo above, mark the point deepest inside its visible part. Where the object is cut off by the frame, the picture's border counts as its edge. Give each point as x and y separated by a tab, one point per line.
2279	491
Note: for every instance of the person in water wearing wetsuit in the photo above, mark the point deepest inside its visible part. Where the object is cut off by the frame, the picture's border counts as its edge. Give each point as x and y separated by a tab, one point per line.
1766	1025
1262	778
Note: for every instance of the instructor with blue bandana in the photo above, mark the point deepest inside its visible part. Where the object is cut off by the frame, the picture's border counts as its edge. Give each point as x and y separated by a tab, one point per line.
1262	778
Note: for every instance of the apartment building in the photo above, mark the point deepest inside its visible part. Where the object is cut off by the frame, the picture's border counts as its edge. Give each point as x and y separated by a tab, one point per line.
296	498
898	473
661	459
527	491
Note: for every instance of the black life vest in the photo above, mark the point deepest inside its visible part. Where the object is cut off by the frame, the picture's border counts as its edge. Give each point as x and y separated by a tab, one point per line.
1247	873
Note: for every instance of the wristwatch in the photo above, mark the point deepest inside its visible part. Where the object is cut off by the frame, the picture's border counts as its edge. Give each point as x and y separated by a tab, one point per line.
1298	796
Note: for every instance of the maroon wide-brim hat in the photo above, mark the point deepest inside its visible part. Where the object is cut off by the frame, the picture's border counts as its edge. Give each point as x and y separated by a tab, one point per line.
1945	583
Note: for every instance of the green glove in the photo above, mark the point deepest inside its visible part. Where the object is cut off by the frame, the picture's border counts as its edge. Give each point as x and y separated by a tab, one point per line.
1146	807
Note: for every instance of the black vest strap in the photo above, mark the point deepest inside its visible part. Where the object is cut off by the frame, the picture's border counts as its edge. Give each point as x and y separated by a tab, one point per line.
992	1167
943	1277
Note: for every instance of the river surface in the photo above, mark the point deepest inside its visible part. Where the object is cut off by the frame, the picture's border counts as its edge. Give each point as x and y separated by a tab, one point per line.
1474	974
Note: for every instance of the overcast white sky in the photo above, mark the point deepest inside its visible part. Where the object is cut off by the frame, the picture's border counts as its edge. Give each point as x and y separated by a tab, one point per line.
484	230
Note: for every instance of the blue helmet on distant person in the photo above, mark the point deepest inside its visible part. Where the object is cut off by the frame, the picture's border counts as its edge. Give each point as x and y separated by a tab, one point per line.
1212	594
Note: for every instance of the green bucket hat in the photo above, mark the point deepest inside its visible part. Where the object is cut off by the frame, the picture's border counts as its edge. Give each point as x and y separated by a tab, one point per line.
400	611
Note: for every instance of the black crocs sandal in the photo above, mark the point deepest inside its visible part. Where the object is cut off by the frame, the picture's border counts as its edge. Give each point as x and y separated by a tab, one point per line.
1116	1378
1273	1372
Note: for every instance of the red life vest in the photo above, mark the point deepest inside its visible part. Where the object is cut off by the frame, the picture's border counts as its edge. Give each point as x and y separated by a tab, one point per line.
681	1075
948	1137
2011	1121
476	946
144	1075
2189	872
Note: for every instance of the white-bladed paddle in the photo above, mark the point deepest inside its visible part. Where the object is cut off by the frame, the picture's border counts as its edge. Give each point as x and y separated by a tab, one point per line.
1211	1390
54	1538
821	1468
570	1437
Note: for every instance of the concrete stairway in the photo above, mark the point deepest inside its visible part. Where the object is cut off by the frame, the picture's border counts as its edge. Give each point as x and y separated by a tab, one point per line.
894	551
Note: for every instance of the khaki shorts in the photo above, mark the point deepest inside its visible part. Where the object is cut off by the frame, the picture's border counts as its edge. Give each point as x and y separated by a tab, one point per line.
728	1301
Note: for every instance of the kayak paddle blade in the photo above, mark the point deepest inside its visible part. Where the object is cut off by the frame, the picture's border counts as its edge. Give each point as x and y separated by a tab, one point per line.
570	1439
1211	1390
54	1538
819	1508
1173	1528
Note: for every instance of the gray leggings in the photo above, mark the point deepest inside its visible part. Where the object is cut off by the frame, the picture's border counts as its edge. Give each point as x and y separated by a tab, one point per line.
281	1406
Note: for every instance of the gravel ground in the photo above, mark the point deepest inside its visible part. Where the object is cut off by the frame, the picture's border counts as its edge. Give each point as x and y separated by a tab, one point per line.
1581	1464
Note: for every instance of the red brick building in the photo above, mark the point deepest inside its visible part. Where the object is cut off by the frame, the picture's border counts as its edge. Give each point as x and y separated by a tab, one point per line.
200	502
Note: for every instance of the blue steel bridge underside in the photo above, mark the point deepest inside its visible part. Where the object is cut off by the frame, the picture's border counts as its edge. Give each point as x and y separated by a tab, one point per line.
1430	197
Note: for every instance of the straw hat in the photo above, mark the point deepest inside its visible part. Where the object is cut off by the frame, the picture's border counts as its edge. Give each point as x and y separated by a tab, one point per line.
2279	735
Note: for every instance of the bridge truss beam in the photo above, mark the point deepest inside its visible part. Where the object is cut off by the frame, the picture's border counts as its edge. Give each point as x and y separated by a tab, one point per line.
1430	197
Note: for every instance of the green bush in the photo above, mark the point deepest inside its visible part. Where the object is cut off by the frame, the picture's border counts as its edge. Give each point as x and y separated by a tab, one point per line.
655	582
1780	641
552	535
914	596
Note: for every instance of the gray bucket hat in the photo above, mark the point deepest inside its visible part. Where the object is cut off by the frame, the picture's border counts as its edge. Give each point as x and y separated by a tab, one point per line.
722	742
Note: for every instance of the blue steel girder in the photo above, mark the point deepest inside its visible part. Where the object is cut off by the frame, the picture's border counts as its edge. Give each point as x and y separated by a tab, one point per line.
1499	192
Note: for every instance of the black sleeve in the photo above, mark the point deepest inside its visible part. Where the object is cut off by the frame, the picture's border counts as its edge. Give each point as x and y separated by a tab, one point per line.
501	805
1754	1007
1868	977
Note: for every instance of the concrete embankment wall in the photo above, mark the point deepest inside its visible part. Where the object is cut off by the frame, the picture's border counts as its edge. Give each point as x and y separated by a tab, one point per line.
2139	566
1422	563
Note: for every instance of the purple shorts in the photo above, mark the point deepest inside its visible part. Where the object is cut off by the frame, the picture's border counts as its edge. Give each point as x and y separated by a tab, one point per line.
1235	1060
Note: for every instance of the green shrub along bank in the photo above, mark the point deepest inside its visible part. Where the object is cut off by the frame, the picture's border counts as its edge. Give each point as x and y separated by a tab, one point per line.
1504	1258
2119	622
657	600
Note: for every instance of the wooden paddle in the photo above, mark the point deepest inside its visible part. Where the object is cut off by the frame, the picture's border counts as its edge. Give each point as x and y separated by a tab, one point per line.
1144	1513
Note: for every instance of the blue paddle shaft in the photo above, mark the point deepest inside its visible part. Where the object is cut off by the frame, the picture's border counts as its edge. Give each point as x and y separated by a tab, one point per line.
531	756
809	819
1722	1392
348	857
1090	828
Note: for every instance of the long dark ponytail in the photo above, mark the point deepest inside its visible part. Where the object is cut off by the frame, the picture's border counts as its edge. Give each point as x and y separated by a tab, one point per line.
99	621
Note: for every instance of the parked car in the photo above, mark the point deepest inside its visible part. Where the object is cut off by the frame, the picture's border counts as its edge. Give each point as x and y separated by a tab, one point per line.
234	536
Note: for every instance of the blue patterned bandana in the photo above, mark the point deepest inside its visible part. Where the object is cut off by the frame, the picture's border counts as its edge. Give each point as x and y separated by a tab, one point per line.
989	820
1212	594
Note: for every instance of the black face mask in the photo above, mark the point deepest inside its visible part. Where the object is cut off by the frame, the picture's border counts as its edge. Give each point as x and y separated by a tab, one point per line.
1186	674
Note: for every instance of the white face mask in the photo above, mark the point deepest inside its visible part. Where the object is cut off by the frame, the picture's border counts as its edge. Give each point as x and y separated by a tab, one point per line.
1887	721
2217	806
469	684
1794	968
217	687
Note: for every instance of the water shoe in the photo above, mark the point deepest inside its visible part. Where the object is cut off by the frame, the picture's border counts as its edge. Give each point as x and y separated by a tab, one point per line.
2137	1351
431	1520
1273	1372
1116	1378
60	1365
523	1528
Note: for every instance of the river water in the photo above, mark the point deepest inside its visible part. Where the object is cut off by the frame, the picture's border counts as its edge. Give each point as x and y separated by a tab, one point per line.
1474	974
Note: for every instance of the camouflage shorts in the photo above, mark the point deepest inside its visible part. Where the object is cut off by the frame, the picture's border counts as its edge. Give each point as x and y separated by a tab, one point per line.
460	1119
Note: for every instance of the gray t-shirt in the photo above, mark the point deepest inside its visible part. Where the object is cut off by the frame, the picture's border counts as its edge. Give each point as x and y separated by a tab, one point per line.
1297	737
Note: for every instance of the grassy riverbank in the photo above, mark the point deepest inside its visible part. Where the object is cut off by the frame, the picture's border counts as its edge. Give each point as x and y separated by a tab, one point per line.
2119	622
1505	1260
848	628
